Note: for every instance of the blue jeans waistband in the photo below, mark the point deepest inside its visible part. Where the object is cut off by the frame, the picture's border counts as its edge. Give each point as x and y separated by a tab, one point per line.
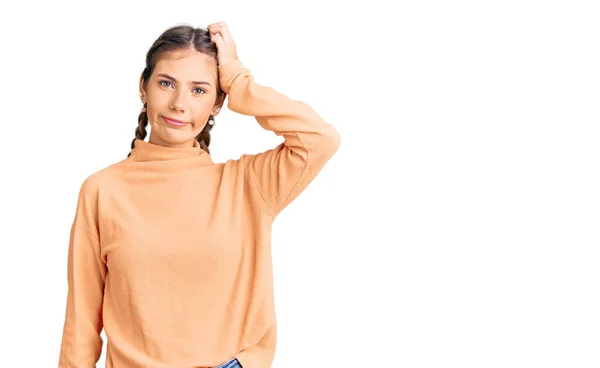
232	363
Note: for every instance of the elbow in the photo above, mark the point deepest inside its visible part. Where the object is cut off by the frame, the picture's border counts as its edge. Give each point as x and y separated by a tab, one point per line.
336	138
332	140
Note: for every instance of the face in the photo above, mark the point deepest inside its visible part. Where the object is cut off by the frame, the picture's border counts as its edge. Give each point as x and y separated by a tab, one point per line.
172	92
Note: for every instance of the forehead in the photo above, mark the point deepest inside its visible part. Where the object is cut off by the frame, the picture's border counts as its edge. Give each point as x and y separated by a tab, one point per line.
187	65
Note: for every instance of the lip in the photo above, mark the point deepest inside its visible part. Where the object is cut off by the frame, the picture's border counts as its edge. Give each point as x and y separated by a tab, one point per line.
172	121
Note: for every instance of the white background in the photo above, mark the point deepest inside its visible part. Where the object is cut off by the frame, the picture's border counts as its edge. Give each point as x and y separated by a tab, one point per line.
457	226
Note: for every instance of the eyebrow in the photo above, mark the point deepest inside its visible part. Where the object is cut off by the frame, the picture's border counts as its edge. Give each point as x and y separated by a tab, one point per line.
175	80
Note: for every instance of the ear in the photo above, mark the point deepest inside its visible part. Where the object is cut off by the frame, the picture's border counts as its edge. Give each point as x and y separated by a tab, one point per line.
142	89
219	104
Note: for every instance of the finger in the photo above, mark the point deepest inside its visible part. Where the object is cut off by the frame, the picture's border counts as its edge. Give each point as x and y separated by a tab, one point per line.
213	28
218	40
224	30
221	28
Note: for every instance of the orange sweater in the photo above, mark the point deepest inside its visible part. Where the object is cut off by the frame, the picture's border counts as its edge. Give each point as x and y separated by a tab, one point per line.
170	253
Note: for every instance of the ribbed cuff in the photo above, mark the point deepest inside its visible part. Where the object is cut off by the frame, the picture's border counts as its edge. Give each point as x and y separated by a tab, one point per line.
228	72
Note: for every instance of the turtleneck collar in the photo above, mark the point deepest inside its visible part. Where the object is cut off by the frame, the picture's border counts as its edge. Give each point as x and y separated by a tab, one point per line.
146	151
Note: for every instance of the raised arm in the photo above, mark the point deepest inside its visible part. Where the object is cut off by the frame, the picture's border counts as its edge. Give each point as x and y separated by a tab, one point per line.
86	274
282	173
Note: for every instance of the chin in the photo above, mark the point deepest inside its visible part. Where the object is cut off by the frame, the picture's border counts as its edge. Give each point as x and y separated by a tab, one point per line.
174	137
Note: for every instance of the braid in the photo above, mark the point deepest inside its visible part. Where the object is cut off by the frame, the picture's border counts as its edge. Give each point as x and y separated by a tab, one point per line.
140	131
204	137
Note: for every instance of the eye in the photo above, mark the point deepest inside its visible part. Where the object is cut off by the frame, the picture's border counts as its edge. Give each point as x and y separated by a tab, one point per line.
163	81
200	89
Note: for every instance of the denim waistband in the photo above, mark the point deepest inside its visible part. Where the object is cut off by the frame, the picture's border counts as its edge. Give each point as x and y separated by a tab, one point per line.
232	363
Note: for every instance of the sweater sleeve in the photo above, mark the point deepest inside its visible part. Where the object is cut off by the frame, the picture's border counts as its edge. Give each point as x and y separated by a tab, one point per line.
281	173
86	274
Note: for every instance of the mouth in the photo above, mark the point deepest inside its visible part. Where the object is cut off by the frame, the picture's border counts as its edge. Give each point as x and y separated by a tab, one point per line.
173	122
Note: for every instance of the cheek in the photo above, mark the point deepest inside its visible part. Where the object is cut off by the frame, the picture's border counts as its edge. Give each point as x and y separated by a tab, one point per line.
156	106
201	120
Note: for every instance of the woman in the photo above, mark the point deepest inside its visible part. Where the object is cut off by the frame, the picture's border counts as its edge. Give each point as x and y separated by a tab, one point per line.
169	252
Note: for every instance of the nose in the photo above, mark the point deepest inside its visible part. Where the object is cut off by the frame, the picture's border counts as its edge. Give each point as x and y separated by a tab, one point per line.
178	101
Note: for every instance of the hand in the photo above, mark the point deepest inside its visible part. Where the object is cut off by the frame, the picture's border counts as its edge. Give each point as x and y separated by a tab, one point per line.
225	45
